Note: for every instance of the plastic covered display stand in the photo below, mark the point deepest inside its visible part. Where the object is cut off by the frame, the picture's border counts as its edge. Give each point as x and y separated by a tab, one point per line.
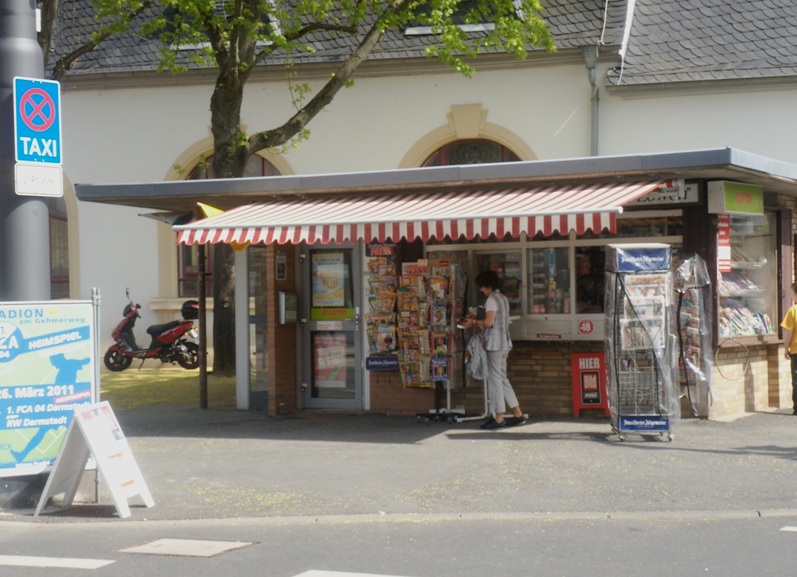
640	341
694	311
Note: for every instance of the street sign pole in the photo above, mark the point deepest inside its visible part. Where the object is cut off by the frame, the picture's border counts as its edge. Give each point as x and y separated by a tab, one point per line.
24	220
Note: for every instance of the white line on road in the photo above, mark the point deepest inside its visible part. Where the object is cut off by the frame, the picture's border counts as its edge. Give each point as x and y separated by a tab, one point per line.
787	528
187	547
59	562
319	573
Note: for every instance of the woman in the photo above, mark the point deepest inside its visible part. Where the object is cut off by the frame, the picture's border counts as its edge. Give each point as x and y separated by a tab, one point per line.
497	344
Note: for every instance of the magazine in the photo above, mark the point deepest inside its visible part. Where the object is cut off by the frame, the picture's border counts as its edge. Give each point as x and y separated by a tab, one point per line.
440	342
440	368
439	315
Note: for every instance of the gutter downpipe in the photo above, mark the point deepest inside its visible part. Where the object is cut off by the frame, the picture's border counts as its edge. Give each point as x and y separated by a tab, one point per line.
590	55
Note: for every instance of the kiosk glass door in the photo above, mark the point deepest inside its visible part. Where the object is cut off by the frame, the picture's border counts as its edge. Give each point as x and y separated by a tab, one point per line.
332	362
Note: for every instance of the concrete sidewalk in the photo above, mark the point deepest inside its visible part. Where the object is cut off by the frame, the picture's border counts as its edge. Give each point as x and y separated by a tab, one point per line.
233	464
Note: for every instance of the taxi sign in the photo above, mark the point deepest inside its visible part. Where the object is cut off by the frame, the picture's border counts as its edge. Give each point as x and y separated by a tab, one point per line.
37	120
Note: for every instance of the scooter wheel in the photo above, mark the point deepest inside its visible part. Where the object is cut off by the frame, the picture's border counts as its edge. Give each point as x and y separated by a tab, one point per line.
192	362
116	361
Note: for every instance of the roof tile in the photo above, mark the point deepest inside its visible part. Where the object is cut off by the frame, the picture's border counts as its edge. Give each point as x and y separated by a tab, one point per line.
699	40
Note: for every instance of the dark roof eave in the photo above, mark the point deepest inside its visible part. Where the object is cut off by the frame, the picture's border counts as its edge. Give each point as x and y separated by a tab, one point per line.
721	163
640	87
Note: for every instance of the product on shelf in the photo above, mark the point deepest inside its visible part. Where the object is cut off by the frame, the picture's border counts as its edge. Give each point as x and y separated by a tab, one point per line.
380	321
747	277
429	300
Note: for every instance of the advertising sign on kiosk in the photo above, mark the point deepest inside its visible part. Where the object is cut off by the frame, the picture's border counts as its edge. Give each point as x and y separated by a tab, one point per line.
589	382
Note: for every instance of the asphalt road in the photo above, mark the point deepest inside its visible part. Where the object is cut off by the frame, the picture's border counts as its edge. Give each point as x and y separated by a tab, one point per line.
386	495
424	546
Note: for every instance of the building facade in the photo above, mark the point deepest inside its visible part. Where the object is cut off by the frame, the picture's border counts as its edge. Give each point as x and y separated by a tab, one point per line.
645	93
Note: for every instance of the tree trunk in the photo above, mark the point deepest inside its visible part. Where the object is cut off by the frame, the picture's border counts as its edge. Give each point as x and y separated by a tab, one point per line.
223	310
229	161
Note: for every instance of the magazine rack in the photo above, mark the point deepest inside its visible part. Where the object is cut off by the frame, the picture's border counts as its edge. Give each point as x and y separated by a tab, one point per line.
380	321
430	300
639	346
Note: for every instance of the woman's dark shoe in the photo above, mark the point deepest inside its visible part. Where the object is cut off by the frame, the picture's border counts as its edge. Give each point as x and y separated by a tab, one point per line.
492	424
515	421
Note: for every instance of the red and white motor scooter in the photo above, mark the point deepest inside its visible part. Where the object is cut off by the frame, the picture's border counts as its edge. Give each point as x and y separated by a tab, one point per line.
168	340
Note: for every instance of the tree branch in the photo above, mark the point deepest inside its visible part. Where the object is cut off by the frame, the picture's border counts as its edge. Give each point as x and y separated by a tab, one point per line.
67	62
281	134
45	35
302	32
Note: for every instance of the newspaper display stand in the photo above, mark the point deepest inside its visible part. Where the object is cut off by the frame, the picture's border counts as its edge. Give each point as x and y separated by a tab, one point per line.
430	301
640	354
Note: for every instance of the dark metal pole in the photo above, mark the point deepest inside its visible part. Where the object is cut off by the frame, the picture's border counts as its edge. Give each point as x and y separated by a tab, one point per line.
24	220
203	331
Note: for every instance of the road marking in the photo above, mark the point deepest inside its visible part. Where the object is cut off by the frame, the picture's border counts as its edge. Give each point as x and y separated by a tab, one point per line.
787	528
58	562
319	573
186	547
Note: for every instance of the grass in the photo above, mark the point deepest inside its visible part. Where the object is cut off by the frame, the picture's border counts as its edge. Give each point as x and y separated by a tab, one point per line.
135	388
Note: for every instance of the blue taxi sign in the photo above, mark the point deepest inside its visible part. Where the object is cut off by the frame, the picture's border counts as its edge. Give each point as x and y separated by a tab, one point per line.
37	120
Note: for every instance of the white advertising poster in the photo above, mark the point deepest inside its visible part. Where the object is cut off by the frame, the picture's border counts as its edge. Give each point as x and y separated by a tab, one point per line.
329	279
47	370
97	433
113	455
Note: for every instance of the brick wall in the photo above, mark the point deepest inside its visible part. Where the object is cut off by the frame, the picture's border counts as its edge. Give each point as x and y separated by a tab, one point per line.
539	372
283	390
389	396
748	379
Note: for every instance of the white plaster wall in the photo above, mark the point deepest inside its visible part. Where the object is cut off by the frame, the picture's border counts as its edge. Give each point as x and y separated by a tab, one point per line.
758	121
117	252
119	136
136	135
372	125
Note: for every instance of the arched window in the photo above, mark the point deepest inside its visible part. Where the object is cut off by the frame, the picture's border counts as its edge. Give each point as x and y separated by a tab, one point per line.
476	151
255	166
470	151
59	248
187	257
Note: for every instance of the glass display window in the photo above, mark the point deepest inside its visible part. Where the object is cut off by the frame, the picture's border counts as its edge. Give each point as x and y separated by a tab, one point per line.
556	284
508	266
641	227
549	280
747	275
590	273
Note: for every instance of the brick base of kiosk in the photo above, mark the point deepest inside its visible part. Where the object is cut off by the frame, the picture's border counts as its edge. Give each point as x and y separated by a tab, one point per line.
589	382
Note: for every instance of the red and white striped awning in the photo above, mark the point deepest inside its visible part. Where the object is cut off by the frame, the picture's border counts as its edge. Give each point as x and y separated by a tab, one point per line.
396	216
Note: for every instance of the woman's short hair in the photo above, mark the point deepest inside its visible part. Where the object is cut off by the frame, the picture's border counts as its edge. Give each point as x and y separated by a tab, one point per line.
488	279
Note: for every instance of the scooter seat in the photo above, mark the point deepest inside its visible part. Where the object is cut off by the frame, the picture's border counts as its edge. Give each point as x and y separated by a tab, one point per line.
155	330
